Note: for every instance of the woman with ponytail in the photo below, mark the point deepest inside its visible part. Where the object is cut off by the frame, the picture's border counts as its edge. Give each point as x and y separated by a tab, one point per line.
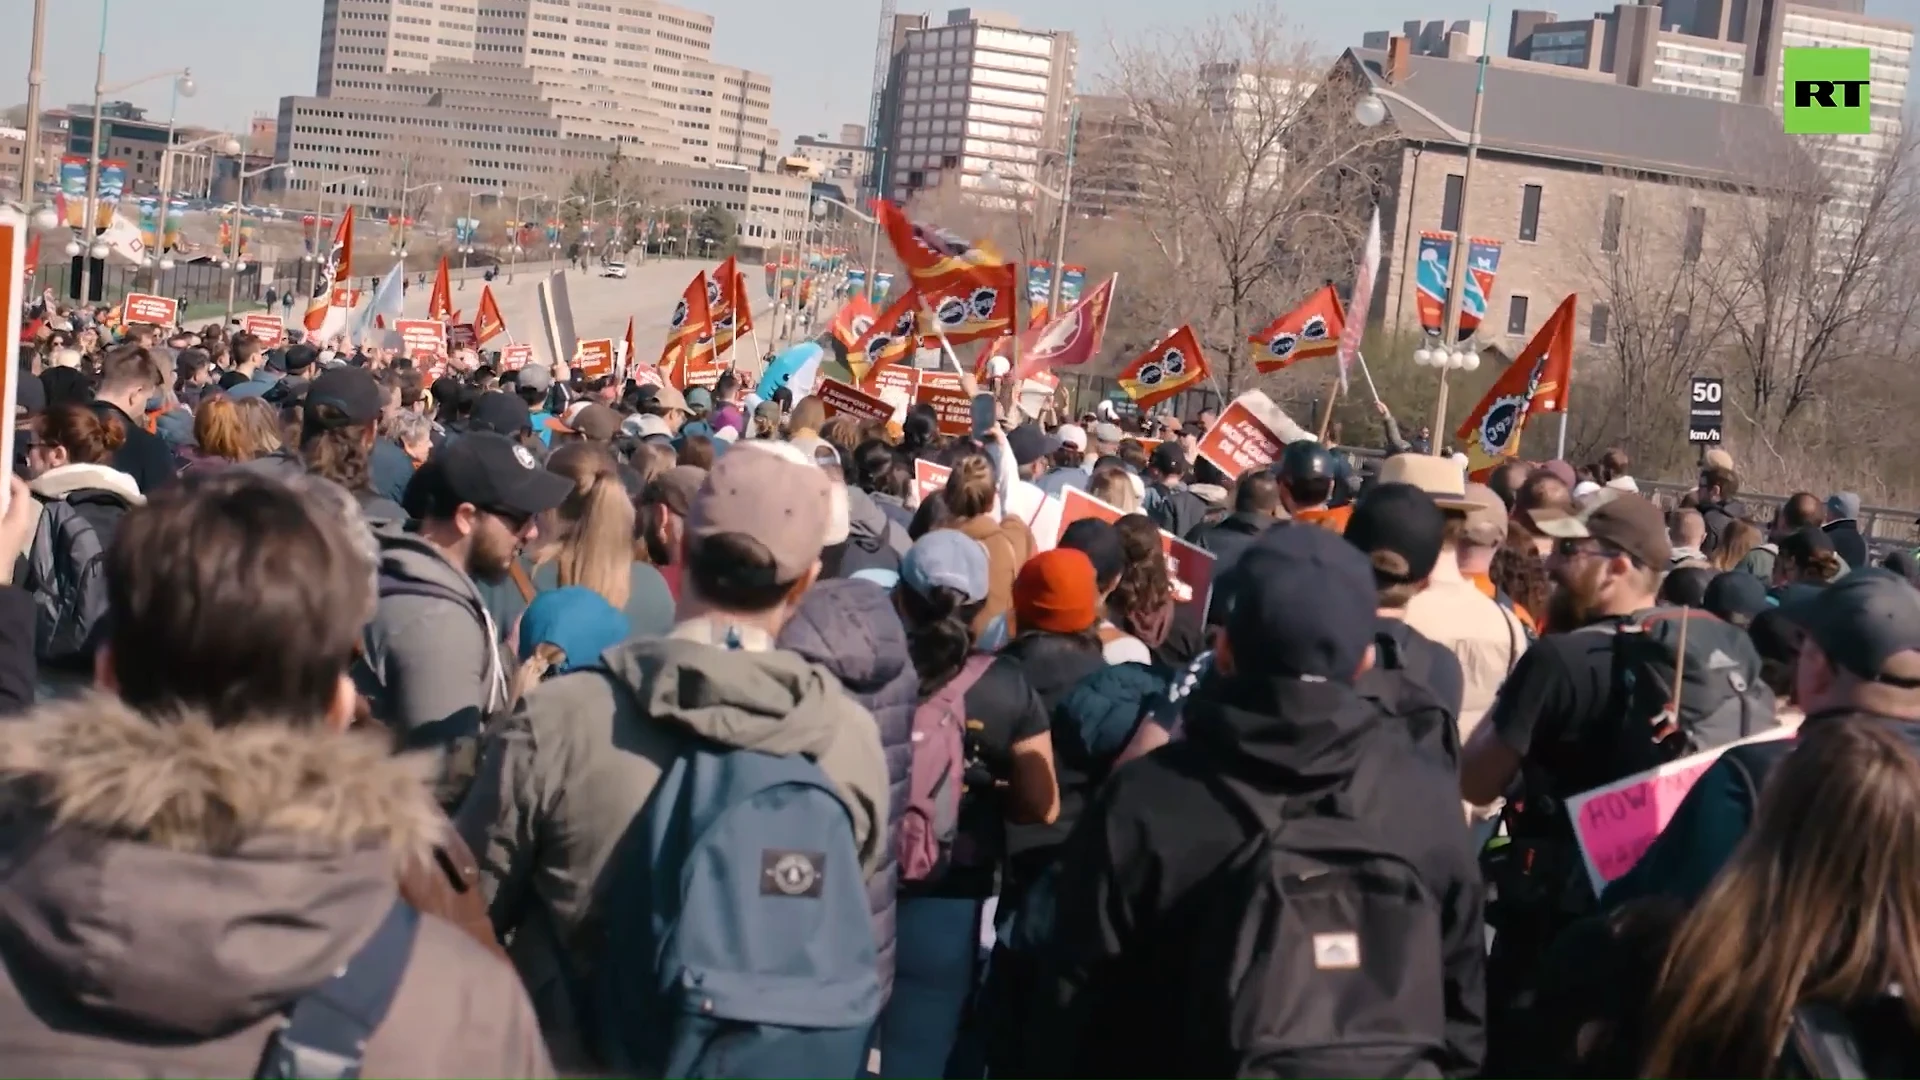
1009	779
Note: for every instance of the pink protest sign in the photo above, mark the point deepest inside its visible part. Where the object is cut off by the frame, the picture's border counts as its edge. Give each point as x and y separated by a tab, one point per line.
1615	824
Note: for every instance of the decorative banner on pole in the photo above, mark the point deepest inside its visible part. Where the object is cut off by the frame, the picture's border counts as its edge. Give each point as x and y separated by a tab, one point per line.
1483	263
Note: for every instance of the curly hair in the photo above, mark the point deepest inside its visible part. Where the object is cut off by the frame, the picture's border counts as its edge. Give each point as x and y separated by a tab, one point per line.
1519	572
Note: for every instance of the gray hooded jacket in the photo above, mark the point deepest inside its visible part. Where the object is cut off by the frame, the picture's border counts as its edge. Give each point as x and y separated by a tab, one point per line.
429	664
564	777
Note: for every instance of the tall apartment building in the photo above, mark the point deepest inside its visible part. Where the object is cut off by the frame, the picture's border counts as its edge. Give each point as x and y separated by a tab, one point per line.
1434	37
516	96
976	93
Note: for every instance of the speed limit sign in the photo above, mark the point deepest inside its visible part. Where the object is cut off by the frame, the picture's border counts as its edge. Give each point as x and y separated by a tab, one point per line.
1706	414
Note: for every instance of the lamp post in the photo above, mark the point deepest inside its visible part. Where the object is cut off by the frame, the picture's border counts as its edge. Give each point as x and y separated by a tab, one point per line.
399	250
1447	356
183	86
463	235
36	78
312	254
513	249
873	238
235	261
228	145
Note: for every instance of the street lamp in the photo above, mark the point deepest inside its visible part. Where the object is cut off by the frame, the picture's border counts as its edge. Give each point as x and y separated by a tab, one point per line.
235	260
183	86
228	145
399	248
1371	111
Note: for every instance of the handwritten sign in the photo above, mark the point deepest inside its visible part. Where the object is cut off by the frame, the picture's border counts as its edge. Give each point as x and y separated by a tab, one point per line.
515	357
1239	442
594	357
952	408
422	339
1616	823
838	398
270	329
151	310
929	478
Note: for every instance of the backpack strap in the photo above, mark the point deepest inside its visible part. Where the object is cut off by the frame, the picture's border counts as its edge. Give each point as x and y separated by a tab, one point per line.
955	690
1824	1041
324	1036
521	581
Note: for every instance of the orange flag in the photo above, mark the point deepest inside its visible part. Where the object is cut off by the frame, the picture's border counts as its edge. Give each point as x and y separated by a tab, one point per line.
687	357
1166	369
1312	329
978	304
487	323
891	338
852	321
932	255
336	273
440	301
1536	381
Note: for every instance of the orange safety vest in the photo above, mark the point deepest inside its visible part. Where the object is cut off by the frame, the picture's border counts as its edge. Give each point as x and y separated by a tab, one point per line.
1327	517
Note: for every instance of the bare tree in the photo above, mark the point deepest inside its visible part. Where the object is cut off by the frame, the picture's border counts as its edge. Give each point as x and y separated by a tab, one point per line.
1256	179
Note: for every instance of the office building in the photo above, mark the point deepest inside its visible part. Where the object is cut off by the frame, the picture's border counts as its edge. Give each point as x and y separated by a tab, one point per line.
1859	158
127	135
973	95
1458	39
1112	156
1632	44
519	96
845	162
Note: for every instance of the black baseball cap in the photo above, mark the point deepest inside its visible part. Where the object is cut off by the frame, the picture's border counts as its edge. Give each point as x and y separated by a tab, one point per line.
350	390
300	358
1401	531
1737	597
1029	443
500	412
488	470
1867	622
1303	605
448	391
1168	459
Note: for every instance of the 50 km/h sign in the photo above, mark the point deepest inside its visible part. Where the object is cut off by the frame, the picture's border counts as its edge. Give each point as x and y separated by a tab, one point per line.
1706	415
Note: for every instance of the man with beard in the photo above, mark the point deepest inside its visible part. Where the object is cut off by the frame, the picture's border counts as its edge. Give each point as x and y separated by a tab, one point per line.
428	663
1559	717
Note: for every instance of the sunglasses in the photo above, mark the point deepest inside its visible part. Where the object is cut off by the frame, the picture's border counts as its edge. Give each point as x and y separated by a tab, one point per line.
515	521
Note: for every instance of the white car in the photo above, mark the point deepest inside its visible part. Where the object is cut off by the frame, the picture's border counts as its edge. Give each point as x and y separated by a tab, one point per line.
613	269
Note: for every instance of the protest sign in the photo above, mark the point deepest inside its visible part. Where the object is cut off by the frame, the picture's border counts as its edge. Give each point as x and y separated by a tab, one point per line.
893	377
515	357
952	408
929	479
595	357
1239	442
151	310
1616	823
422	339
838	397
270	329
461	336
1190	567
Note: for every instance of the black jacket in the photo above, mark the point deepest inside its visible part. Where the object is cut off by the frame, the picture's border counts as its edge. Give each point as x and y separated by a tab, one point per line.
19	671
1847	541
1228	539
144	456
1176	509
1720	517
1112	963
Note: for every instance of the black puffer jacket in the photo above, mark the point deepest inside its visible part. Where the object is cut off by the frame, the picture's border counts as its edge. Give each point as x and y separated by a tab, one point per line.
851	629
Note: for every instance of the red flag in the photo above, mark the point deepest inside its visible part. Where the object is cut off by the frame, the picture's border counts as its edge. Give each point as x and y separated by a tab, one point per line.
975	305
440	301
932	255
1535	382
742	305
687	357
487	323
1166	369
720	303
890	340
1073	338
1312	329
335	273
852	321
628	361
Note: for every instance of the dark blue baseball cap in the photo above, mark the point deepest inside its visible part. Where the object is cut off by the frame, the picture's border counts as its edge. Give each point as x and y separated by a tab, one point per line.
1303	605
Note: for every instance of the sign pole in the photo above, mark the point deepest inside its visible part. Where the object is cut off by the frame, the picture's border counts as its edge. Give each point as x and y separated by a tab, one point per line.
1560	454
946	346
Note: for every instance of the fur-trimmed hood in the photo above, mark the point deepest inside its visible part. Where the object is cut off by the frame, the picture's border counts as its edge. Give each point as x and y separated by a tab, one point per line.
140	856
64	480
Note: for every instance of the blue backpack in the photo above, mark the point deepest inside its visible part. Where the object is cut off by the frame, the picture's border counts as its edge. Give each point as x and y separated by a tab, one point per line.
739	941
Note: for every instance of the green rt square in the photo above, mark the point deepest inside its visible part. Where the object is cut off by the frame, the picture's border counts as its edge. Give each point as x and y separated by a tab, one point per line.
1826	91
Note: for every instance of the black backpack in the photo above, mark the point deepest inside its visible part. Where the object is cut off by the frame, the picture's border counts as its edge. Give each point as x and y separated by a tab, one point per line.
1722	698
1317	953
66	573
1401	683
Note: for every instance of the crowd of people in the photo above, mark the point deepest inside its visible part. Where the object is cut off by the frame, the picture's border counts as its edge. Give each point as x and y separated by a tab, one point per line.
506	723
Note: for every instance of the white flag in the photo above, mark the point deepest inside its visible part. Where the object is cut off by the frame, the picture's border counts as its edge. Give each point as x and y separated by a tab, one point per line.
1362	298
389	302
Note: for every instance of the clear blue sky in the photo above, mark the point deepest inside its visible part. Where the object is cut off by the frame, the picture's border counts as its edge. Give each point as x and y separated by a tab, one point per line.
246	54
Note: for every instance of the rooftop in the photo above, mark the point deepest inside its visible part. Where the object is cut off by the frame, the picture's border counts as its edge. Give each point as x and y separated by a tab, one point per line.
1608	124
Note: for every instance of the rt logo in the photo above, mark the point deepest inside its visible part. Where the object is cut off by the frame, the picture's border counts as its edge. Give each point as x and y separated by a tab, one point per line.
1826	91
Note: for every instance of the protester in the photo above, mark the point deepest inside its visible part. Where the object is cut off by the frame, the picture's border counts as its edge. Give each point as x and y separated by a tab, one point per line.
1167	501
1306	472
1142	602
1542	492
339	428
211	808
1069	464
430	664
1807	556
248	376
1843	526
1116	487
661	521
1149	993
973	503
1101	544
1715	499
752	545
1687	532
129	378
1745	547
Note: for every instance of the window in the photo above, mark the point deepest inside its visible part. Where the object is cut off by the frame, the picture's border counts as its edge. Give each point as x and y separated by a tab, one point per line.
1450	203
1696	234
1610	223
1517	315
1679	328
1530	212
1597	324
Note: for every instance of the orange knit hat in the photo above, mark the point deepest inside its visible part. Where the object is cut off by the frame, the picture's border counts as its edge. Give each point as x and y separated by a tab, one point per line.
1055	592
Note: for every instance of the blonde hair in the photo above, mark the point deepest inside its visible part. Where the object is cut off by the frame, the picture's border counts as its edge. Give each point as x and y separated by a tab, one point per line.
970	488
1112	485
546	657
262	422
594	548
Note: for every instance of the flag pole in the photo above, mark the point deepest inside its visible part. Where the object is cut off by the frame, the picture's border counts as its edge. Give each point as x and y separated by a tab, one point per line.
946	346
1326	415
1560	453
1368	373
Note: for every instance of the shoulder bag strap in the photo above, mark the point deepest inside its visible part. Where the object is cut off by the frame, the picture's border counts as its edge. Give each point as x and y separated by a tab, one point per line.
521	581
325	1034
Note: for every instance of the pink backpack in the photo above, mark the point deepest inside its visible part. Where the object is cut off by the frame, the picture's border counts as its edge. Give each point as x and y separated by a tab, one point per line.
931	823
